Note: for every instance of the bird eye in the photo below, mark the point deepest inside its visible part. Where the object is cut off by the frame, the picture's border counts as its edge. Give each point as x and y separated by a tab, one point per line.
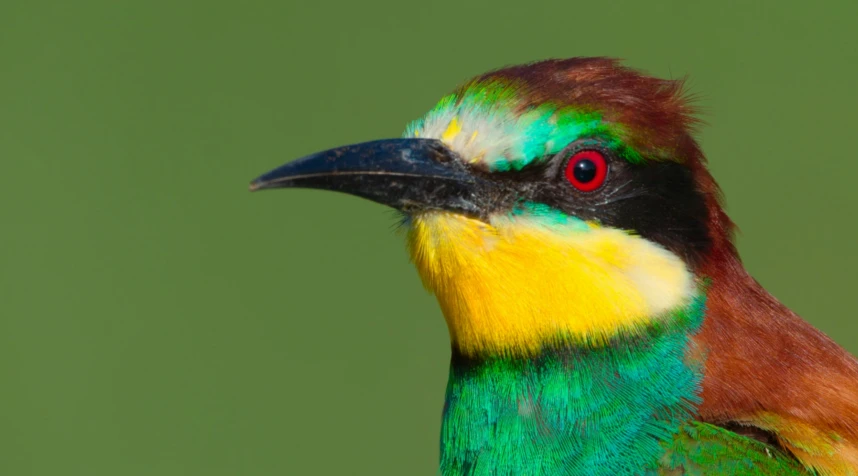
587	170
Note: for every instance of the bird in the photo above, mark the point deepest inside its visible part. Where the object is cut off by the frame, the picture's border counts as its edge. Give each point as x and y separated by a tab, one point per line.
601	321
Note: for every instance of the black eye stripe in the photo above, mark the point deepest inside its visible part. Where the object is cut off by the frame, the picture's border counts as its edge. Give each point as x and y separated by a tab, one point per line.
655	199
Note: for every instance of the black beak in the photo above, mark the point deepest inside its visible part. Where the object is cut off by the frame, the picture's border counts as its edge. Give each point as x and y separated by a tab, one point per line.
406	174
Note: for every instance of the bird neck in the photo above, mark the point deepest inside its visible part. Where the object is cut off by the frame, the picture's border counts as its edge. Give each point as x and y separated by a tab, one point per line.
563	408
568	339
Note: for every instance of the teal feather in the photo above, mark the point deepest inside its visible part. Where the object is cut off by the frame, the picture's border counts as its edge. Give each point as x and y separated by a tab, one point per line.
577	410
539	132
625	408
702	449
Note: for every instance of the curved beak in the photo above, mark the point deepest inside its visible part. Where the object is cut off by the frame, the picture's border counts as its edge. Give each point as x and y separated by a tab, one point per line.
406	174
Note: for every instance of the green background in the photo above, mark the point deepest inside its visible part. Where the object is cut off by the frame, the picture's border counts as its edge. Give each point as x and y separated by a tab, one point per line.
158	319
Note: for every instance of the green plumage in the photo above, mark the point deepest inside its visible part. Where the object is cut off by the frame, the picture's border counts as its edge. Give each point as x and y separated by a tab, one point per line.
617	409
700	449
523	137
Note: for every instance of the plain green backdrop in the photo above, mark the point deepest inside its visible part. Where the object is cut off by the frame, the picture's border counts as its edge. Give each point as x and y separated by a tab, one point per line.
158	319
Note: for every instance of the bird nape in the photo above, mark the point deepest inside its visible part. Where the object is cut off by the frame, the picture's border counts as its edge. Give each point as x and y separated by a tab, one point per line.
600	319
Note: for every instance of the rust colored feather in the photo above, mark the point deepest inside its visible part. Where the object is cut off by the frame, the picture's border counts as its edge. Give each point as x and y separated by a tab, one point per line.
768	368
656	113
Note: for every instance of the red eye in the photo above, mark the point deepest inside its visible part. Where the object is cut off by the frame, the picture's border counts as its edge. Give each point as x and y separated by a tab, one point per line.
587	170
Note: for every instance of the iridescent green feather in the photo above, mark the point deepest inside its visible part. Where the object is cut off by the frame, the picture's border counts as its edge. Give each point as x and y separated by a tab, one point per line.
582	409
519	135
702	449
626	408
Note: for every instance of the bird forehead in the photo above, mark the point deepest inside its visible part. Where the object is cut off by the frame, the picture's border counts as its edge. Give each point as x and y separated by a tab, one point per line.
489	124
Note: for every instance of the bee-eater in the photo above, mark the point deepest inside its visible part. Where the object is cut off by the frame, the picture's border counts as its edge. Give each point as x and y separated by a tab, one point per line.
600	319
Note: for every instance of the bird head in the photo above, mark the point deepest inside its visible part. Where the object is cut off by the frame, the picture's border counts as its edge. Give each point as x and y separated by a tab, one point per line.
553	202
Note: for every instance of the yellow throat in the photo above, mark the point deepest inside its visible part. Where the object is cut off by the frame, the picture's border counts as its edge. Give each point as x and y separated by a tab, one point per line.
514	284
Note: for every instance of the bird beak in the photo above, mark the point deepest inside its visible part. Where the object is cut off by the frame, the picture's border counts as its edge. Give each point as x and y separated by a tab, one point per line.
406	174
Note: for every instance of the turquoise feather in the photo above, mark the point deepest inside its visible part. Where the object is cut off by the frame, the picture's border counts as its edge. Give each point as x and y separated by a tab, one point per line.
701	449
620	409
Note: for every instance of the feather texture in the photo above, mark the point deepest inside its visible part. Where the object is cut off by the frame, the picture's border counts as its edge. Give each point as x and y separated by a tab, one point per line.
607	410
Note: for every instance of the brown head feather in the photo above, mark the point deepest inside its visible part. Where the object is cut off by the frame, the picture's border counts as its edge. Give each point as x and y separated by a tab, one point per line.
657	114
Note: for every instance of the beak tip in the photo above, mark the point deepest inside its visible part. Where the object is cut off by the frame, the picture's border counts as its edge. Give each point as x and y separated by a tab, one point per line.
254	186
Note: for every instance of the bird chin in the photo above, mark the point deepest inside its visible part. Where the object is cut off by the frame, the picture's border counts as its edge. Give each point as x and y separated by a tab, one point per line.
511	284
